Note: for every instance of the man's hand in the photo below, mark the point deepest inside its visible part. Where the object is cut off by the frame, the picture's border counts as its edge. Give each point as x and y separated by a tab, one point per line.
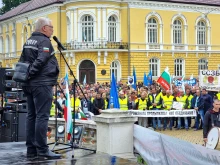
154	104
100	110
196	108
165	106
205	140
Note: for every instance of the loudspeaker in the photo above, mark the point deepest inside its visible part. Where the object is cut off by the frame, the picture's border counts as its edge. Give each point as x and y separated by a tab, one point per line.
9	125
2	80
21	106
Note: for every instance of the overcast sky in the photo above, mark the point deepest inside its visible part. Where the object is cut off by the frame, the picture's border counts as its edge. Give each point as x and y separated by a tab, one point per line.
0	3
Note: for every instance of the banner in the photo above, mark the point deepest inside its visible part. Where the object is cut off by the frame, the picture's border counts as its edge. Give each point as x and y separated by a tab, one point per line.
156	149
210	79
190	82
163	113
130	80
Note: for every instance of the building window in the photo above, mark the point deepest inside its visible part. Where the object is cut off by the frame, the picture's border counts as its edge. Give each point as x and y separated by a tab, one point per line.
201	33
87	29
1	45
115	69
177	32
179	67
152	30
112	29
202	64
154	66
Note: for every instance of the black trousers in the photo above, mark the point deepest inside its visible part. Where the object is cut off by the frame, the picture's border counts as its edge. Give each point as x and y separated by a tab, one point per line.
39	101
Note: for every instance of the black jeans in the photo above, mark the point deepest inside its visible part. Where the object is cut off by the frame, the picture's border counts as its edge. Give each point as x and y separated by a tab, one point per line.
39	101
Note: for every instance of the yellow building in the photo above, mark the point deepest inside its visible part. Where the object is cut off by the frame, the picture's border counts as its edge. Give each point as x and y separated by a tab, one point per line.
105	37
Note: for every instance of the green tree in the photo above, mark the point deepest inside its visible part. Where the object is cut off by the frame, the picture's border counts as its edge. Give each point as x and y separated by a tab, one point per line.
10	4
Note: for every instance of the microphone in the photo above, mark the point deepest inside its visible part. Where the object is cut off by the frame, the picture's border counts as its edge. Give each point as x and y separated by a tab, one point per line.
58	42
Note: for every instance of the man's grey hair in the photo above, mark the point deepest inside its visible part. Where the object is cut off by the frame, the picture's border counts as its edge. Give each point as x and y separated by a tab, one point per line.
41	22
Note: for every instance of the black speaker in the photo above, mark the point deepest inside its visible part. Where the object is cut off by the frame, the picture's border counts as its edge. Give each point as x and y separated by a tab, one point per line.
21	106
15	95
2	80
9	126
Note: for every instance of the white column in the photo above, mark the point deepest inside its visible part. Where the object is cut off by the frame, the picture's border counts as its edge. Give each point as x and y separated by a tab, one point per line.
146	29
185	37
111	123
105	57
99	56
104	23
71	26
161	36
209	38
75	25
72	55
99	23
171	27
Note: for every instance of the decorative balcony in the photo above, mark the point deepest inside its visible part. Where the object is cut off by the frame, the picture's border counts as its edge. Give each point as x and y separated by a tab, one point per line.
179	47
95	45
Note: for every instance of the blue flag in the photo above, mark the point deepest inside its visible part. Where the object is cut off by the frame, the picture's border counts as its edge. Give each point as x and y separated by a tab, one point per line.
114	102
135	79
149	78
145	80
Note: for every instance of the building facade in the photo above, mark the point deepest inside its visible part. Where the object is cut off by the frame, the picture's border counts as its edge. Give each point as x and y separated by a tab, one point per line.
110	37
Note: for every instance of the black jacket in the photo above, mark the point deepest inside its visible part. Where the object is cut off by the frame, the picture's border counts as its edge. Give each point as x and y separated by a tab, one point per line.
208	121
200	103
98	104
39	52
89	105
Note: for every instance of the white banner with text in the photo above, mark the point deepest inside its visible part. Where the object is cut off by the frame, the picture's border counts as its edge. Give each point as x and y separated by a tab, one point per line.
163	113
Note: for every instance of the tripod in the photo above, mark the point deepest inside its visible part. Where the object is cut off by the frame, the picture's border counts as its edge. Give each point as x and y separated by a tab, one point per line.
56	131
75	83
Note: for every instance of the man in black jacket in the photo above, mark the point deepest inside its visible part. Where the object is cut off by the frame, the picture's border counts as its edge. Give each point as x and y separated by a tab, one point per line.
43	74
98	104
212	119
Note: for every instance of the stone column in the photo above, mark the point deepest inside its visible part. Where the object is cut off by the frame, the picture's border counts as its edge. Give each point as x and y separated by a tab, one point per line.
115	133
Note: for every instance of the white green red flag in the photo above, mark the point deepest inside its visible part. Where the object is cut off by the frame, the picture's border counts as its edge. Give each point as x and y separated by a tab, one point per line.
69	125
165	79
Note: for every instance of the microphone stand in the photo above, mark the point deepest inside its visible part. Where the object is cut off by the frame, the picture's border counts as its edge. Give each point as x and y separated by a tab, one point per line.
75	83
56	143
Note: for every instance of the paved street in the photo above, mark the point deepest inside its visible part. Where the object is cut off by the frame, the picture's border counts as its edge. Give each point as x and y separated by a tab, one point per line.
192	136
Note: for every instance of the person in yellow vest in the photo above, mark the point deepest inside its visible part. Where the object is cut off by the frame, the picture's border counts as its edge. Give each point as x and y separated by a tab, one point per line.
142	105
123	101
155	103
105	100
189	97
93	97
185	103
218	95
77	105
167	104
52	110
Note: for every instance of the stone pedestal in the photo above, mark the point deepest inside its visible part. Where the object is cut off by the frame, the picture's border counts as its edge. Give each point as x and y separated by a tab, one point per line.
115	133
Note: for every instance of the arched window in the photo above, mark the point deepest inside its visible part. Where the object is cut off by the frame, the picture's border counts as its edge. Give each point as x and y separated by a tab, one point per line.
179	67
116	70
177	32
152	30
1	45
68	29
13	49
87	29
201	33
154	66
7	44
202	64
112	29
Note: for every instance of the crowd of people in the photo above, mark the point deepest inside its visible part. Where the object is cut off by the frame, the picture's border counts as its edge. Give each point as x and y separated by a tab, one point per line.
96	97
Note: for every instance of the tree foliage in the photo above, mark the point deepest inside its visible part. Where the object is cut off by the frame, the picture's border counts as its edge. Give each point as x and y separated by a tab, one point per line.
10	4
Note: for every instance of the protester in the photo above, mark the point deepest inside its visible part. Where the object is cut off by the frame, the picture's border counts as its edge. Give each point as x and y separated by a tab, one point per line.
142	105
98	104
212	119
123	101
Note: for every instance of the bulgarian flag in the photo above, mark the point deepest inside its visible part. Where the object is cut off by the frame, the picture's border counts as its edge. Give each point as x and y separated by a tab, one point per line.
165	79
81	115
67	110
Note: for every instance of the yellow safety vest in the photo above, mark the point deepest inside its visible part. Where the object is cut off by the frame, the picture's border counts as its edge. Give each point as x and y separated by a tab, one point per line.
123	104
157	100
92	100
168	101
142	105
182	100
190	99
218	96
52	110
106	104
77	103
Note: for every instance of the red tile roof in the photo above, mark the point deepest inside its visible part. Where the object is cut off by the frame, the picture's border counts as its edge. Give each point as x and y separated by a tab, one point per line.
28	6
